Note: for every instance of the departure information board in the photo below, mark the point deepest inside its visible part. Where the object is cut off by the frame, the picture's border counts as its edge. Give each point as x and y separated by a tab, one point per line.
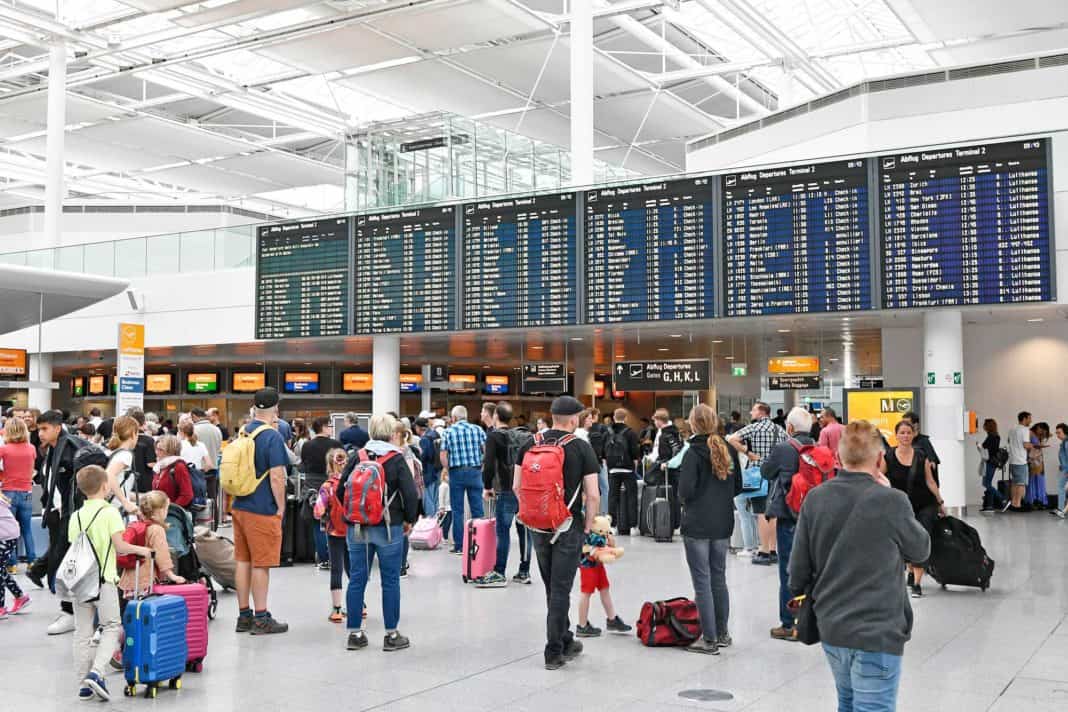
797	239
967	225
519	262
405	271
302	279
649	253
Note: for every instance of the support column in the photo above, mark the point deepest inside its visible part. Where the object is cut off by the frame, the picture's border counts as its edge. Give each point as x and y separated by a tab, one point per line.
385	369
581	92
54	167
584	377
41	372
943	401
426	393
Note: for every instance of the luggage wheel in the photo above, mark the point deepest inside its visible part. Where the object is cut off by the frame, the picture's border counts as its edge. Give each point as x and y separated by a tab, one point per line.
129	690
150	692
175	684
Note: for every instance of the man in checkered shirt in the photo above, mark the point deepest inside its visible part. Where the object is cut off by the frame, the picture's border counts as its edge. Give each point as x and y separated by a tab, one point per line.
755	441
462	446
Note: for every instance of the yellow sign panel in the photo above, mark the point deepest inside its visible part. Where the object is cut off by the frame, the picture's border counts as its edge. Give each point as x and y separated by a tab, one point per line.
781	365
13	362
881	408
132	339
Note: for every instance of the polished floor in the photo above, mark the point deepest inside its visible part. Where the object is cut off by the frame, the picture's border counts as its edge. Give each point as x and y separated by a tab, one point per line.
1004	650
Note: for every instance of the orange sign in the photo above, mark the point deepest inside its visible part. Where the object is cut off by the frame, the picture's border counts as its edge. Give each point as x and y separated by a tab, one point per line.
411	378
97	385
781	365
496	380
132	339
248	382
357	382
461	379
598	389
13	362
159	383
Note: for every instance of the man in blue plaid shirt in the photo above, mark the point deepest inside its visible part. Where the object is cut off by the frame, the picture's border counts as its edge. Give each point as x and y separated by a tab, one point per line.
462	447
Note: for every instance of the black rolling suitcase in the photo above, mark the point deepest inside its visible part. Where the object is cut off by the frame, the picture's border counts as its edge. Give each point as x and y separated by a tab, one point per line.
659	515
647	493
297	544
957	555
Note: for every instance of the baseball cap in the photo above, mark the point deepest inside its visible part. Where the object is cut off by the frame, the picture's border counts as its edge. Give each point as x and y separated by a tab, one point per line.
566	405
428	414
422	423
266	398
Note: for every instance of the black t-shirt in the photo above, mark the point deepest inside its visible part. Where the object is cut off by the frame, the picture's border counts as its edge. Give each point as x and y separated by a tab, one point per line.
579	461
313	454
144	455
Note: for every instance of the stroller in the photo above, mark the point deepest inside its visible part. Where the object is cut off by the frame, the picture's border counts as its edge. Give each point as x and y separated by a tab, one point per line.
180	539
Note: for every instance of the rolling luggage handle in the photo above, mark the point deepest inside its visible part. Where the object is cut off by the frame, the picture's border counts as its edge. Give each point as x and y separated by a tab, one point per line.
140	595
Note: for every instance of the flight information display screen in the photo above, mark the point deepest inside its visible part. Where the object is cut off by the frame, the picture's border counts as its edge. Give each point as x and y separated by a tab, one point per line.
405	271
302	279
797	239
649	253
967	225
519	262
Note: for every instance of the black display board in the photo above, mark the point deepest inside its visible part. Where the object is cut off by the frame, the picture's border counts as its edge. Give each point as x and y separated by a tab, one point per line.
544	377
519	262
684	375
649	252
302	279
405	271
797	239
967	225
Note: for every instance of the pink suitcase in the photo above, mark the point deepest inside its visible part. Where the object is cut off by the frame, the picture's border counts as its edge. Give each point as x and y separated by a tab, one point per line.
197	600
480	548
426	534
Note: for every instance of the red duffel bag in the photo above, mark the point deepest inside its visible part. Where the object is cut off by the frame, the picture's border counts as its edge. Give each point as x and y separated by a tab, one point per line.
673	622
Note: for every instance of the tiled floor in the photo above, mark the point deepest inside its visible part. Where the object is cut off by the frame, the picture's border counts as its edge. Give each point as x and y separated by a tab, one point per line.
1004	650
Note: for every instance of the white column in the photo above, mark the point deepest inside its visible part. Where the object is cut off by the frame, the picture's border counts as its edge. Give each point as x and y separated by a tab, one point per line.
41	371
943	401
426	387
581	92
385	367
584	377
54	168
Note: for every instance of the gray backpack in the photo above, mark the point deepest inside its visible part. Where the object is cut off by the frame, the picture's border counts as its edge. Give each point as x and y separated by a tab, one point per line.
80	576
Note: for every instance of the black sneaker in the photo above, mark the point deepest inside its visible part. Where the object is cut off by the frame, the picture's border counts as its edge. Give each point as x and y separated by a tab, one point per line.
587	631
36	575
357	640
572	650
773	557
521	578
554	662
724	640
704	646
917	591
395	641
616	625
404	571
244	624
911	581
761	559
267	625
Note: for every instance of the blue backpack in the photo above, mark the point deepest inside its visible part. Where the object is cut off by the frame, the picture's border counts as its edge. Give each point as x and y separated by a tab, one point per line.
200	488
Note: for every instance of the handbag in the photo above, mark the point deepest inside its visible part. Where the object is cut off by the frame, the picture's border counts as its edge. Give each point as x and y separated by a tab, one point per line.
753	483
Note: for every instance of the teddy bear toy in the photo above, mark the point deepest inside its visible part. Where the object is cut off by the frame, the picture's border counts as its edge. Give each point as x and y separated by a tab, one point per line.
599	542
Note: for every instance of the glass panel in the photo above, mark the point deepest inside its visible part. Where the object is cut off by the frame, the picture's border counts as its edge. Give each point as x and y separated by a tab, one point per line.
162	255
69	259
197	251
233	247
14	258
100	258
130	258
41	259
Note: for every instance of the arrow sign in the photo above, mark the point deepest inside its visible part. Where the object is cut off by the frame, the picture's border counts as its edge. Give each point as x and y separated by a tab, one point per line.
688	375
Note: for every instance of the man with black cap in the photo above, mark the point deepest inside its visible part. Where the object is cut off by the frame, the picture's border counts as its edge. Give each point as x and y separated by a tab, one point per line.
558	560
258	520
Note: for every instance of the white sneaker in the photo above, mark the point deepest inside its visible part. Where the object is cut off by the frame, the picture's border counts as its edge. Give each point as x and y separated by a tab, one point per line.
1059	513
96	636
64	623
745	553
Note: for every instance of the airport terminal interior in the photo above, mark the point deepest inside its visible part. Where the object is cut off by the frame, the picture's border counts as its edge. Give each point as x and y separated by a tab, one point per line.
747	221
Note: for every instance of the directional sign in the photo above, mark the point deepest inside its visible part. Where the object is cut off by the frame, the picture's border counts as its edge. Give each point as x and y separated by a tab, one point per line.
794	383
692	375
439	373
545	377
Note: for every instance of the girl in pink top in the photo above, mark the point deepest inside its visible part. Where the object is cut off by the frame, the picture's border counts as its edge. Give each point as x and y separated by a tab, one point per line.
16	482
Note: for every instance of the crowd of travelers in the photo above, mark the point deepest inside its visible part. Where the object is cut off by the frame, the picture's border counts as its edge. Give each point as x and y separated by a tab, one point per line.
719	472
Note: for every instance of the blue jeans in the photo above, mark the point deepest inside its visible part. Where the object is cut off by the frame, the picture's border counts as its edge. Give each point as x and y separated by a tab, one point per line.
602	486
362	549
784	540
992	494
505	511
466	480
1062	482
866	682
707	560
322	546
22	509
748	522
430	497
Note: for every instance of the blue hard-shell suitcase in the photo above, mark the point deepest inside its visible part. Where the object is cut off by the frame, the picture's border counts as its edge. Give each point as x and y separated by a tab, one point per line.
154	649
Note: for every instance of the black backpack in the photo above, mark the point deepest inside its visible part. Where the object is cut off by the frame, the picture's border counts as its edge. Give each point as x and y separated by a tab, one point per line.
617	451
85	454
1000	458
517	438
598	435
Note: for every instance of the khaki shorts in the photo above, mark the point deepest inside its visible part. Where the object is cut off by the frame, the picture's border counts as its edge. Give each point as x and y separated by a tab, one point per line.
257	539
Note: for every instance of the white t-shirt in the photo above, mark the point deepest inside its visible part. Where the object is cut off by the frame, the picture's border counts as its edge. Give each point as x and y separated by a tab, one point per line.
1018	436
194	454
126	458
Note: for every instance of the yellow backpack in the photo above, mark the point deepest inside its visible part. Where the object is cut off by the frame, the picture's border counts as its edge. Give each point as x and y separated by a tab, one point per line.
237	471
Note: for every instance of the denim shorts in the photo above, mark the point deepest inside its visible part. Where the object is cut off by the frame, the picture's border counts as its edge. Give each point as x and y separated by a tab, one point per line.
1020	474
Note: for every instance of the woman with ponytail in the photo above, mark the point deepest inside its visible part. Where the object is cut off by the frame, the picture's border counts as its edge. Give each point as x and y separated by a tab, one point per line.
121	477
709	480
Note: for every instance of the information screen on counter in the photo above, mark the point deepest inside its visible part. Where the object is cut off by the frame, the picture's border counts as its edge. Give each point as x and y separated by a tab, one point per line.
405	271
968	225
519	262
797	239
649	253
302	279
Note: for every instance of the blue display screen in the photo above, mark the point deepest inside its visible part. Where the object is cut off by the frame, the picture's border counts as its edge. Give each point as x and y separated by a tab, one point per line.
410	387
495	389
968	225
519	262
797	239
649	252
405	271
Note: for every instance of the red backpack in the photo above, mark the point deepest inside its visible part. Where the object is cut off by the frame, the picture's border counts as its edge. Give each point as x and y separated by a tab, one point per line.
668	623
135	534
542	506
816	467
366	500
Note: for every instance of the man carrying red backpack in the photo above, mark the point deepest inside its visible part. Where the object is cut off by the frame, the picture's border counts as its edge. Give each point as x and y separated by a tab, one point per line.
552	474
797	454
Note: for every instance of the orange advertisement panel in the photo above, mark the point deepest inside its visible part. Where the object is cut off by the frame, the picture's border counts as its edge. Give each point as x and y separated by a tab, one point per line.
159	383
132	339
98	385
882	408
497	380
781	365
357	382
248	382
13	362
599	389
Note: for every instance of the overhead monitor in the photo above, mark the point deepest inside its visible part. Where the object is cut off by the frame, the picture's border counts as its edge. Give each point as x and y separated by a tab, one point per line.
405	271
411	382
356	382
302	279
519	262
496	386
247	381
203	383
159	383
462	382
98	385
77	386
300	382
649	251
967	225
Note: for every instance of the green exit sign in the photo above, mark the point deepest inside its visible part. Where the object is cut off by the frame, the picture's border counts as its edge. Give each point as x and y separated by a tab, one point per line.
739	369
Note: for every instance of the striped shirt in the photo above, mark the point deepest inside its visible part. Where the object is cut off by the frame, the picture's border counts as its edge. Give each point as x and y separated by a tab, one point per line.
465	443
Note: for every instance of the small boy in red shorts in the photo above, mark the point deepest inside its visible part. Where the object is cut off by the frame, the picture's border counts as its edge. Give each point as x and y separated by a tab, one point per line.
594	577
